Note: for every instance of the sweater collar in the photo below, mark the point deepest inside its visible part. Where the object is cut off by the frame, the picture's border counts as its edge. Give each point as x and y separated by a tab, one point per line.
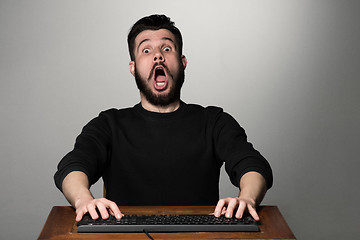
156	115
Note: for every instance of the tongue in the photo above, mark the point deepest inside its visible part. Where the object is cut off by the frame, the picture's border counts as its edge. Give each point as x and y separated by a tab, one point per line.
160	78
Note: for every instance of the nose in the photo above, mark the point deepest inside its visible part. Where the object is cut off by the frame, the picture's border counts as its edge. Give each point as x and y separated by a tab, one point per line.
158	57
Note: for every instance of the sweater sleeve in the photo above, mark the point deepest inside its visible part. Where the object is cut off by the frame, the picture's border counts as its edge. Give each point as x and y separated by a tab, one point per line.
90	153
238	154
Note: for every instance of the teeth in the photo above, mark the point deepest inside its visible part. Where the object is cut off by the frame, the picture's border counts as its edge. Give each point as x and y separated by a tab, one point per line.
160	83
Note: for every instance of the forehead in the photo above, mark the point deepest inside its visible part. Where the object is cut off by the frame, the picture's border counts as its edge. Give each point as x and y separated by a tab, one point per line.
153	36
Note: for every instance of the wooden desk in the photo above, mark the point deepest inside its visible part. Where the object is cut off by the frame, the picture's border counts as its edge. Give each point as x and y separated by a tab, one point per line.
61	225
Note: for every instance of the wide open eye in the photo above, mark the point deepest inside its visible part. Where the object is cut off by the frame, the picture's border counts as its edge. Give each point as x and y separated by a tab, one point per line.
146	50
167	49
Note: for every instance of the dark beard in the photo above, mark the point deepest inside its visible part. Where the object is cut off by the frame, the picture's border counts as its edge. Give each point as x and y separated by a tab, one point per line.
161	100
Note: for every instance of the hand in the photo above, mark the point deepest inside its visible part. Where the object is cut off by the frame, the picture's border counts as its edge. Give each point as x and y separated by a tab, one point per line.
227	206
104	206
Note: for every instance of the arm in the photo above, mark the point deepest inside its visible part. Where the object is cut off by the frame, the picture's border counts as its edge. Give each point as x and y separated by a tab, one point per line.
252	191
76	190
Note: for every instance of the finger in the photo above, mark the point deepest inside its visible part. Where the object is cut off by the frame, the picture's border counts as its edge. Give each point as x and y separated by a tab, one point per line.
115	211
92	211
241	209
231	207
253	213
79	215
103	210
219	207
223	211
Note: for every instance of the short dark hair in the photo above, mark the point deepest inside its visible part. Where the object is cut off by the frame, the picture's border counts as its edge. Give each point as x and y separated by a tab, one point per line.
153	22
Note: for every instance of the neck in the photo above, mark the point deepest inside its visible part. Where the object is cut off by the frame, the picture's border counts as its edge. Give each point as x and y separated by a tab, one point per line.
172	107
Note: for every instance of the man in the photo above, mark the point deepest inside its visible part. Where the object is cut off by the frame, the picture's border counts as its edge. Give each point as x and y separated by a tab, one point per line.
162	151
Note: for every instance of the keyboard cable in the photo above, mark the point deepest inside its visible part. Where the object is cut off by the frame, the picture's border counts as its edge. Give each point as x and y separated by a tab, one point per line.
147	234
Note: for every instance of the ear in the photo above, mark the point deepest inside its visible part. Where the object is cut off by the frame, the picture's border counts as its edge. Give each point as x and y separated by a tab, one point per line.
184	61
132	67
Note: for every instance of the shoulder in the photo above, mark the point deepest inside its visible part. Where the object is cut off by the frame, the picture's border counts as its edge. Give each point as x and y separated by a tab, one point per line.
111	116
116	113
215	114
210	110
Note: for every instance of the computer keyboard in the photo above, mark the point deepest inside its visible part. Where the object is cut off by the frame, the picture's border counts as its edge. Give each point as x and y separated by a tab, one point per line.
168	223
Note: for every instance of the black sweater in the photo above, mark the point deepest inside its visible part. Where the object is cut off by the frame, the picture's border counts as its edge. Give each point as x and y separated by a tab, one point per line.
148	158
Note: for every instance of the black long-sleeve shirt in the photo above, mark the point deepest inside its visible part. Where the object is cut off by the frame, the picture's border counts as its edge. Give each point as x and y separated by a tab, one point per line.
148	158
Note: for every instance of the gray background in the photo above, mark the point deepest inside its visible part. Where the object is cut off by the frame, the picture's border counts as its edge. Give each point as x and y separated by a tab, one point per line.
288	71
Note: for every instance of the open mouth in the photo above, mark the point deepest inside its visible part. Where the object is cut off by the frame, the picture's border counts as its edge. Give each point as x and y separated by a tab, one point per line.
160	79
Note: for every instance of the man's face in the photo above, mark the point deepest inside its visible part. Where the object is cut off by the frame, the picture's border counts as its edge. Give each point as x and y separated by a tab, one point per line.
158	67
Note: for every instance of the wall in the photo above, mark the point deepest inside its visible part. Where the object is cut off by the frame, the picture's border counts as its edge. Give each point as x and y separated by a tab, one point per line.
288	71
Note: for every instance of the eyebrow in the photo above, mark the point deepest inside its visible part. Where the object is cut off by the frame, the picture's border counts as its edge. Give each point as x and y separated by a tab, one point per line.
146	39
